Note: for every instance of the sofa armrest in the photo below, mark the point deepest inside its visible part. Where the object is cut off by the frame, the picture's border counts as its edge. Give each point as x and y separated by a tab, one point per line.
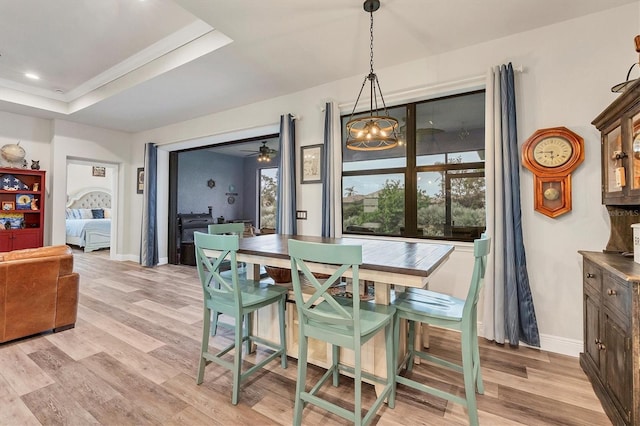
67	300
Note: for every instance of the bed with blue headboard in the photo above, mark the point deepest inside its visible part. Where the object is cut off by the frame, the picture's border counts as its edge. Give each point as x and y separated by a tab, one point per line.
88	219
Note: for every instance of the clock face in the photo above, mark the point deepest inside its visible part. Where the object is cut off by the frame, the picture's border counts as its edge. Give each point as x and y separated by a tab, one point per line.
552	151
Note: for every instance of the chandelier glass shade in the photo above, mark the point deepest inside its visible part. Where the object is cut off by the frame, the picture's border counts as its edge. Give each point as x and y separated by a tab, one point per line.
377	130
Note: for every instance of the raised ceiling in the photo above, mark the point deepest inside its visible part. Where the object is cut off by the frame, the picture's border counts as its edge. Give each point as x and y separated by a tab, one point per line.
133	65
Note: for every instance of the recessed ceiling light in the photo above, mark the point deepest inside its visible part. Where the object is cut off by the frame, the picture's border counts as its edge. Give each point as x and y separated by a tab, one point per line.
32	76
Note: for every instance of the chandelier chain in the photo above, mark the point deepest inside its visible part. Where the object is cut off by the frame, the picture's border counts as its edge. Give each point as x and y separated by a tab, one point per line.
371	43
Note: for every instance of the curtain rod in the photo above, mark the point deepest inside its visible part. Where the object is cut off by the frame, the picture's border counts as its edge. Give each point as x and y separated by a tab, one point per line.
430	89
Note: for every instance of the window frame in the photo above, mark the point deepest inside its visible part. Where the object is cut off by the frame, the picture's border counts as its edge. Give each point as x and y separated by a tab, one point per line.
411	171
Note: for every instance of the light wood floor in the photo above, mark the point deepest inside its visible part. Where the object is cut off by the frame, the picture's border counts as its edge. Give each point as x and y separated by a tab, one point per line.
132	359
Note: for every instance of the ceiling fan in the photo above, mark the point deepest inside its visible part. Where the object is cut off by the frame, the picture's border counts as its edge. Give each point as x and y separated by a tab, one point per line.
264	153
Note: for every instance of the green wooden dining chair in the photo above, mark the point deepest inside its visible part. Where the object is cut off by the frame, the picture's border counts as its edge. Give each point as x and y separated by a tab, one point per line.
445	311
226	229
339	321
236	298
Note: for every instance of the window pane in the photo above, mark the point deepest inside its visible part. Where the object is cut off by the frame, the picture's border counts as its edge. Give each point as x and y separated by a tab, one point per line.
431	204
449	125
467	206
268	201
373	204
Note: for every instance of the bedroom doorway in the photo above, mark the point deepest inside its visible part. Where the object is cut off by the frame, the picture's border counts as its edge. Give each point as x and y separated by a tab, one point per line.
90	206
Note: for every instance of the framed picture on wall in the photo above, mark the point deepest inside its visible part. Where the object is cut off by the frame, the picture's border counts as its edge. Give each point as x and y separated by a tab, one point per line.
98	171
311	158
140	180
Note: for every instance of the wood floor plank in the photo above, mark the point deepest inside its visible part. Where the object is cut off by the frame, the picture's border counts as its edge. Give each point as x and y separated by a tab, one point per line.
73	345
15	412
186	316
52	406
20	372
123	332
214	404
153	399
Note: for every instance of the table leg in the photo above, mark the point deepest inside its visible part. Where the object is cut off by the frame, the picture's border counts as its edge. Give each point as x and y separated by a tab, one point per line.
253	273
382	297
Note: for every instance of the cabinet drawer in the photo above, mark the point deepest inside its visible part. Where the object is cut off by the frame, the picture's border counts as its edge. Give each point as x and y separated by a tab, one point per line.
592	277
616	294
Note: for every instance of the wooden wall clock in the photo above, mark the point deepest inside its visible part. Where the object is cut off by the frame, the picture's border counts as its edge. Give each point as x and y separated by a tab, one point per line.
552	155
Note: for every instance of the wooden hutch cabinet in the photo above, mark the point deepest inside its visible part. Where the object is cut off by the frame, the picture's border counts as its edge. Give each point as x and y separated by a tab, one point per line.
22	207
611	279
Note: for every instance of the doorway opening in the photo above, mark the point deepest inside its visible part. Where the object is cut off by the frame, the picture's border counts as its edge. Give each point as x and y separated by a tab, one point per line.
91	206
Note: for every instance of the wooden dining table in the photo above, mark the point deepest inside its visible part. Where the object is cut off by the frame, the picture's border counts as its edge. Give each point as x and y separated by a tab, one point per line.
385	263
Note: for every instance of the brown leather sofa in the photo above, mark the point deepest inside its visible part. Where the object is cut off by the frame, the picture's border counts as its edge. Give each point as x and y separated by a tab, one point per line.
38	291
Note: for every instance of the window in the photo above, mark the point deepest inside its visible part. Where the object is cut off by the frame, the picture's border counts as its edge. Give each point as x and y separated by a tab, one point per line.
267	200
429	186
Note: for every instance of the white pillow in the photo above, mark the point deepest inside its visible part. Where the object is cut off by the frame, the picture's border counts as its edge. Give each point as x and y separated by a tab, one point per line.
86	214
107	213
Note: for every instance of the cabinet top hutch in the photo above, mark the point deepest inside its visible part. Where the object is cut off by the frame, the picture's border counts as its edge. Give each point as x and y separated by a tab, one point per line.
619	125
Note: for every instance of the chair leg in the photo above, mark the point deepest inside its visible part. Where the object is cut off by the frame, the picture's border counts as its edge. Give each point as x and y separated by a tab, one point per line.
357	379
248	324
283	341
469	379
392	355
476	359
302	379
214	323
411	325
237	364
335	362
206	325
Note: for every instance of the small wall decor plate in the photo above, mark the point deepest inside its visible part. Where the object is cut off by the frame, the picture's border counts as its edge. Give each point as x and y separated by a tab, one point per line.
23	201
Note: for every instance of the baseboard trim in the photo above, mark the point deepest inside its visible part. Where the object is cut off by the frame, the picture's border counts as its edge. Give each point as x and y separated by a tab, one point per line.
550	343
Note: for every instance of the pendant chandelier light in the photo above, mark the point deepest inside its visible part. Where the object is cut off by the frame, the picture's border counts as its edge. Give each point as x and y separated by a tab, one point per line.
372	132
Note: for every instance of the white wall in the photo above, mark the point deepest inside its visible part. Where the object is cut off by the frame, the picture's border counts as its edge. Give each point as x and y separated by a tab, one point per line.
568	71
72	141
80	176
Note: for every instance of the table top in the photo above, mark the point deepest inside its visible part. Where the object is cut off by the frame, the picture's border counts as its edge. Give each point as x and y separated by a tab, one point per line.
398	257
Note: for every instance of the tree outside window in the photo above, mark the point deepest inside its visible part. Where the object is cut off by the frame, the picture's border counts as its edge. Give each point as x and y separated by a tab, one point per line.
268	197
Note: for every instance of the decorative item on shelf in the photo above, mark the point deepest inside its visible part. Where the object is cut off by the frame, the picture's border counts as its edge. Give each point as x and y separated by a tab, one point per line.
12	220
23	202
36	187
34	204
552	155
35	164
374	131
621	87
211	183
12	155
12	183
8	205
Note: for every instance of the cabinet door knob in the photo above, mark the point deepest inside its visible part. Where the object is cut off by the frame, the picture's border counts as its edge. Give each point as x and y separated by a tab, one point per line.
612	292
590	275
601	346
